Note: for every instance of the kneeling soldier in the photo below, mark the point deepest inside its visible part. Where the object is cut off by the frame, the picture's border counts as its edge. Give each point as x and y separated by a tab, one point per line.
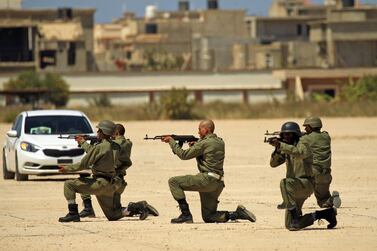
299	182
209	152
122	163
320	144
101	159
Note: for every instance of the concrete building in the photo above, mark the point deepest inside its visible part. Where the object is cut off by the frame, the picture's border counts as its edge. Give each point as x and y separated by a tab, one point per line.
10	4
337	34
347	38
303	82
59	40
276	42
181	40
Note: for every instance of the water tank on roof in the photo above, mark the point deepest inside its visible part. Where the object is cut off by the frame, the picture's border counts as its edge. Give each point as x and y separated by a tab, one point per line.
183	5
212	4
348	3
150	11
330	2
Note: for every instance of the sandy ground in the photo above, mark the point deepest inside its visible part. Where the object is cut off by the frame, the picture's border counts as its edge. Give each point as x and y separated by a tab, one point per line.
29	211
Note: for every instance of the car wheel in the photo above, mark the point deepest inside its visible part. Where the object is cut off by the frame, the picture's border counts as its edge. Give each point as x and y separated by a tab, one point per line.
19	176
6	174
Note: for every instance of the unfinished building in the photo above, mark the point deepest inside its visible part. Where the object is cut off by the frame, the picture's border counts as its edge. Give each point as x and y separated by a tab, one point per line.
301	35
347	38
58	40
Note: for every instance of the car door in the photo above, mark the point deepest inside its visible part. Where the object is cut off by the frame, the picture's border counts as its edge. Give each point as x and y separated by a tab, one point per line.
12	143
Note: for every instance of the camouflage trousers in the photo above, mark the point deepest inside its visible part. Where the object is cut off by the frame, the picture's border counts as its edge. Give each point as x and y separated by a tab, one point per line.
322	181
209	189
294	192
107	193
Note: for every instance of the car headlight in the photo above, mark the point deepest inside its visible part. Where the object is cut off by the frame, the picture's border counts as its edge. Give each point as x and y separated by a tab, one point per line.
26	146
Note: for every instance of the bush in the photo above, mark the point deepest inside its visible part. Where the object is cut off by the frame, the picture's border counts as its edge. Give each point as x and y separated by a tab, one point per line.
175	104
57	89
102	100
363	89
160	60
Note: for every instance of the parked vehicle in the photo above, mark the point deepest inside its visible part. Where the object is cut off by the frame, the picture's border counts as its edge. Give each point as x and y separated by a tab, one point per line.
33	145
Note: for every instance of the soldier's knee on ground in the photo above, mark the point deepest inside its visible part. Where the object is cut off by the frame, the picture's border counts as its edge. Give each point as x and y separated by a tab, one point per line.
110	218
172	181
207	219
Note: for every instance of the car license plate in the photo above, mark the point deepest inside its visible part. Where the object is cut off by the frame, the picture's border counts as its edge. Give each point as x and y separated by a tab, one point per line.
65	161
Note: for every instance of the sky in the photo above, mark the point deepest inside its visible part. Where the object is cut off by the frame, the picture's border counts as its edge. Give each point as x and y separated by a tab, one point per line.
108	10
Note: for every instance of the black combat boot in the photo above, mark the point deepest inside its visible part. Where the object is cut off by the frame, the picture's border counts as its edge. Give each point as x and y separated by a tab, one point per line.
329	215
88	210
138	208
242	213
73	214
294	224
185	217
281	206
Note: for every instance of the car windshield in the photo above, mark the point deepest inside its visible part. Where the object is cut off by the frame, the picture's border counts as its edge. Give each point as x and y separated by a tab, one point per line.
46	125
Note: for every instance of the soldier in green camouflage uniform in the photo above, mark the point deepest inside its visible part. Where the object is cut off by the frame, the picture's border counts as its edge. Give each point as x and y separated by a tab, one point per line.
209	152
320	145
101	159
299	182
123	162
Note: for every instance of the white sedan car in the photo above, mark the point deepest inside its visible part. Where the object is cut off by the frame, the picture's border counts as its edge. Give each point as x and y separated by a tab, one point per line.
37	142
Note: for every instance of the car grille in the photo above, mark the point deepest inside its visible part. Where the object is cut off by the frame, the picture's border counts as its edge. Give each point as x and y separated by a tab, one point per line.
49	168
61	153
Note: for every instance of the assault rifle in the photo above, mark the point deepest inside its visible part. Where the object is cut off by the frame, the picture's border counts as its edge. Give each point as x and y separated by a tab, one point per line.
180	138
268	137
93	139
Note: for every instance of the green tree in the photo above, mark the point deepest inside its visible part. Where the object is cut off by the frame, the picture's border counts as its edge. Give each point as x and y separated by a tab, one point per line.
51	88
102	100
58	89
158	59
364	88
175	104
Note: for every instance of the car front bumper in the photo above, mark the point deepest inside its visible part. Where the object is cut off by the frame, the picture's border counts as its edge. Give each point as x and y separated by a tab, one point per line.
39	164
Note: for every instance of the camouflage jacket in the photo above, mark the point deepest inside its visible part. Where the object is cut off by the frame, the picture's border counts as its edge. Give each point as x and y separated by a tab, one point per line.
100	158
298	159
209	153
320	145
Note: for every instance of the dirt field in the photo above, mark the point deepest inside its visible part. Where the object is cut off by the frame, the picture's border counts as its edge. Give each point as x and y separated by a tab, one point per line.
29	211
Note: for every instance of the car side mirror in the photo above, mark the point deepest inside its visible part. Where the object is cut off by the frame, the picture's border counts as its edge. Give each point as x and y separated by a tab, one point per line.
12	133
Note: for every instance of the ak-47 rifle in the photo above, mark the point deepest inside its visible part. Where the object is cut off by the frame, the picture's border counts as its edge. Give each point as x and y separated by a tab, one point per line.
181	139
91	138
268	137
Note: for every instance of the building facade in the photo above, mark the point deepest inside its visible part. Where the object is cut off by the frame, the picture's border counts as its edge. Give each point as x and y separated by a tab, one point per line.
58	40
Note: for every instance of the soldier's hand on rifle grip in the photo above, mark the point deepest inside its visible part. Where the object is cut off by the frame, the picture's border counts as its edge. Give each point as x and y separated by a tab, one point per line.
166	139
275	142
191	143
79	139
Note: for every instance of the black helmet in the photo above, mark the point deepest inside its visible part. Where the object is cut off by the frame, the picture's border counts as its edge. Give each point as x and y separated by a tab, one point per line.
291	127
